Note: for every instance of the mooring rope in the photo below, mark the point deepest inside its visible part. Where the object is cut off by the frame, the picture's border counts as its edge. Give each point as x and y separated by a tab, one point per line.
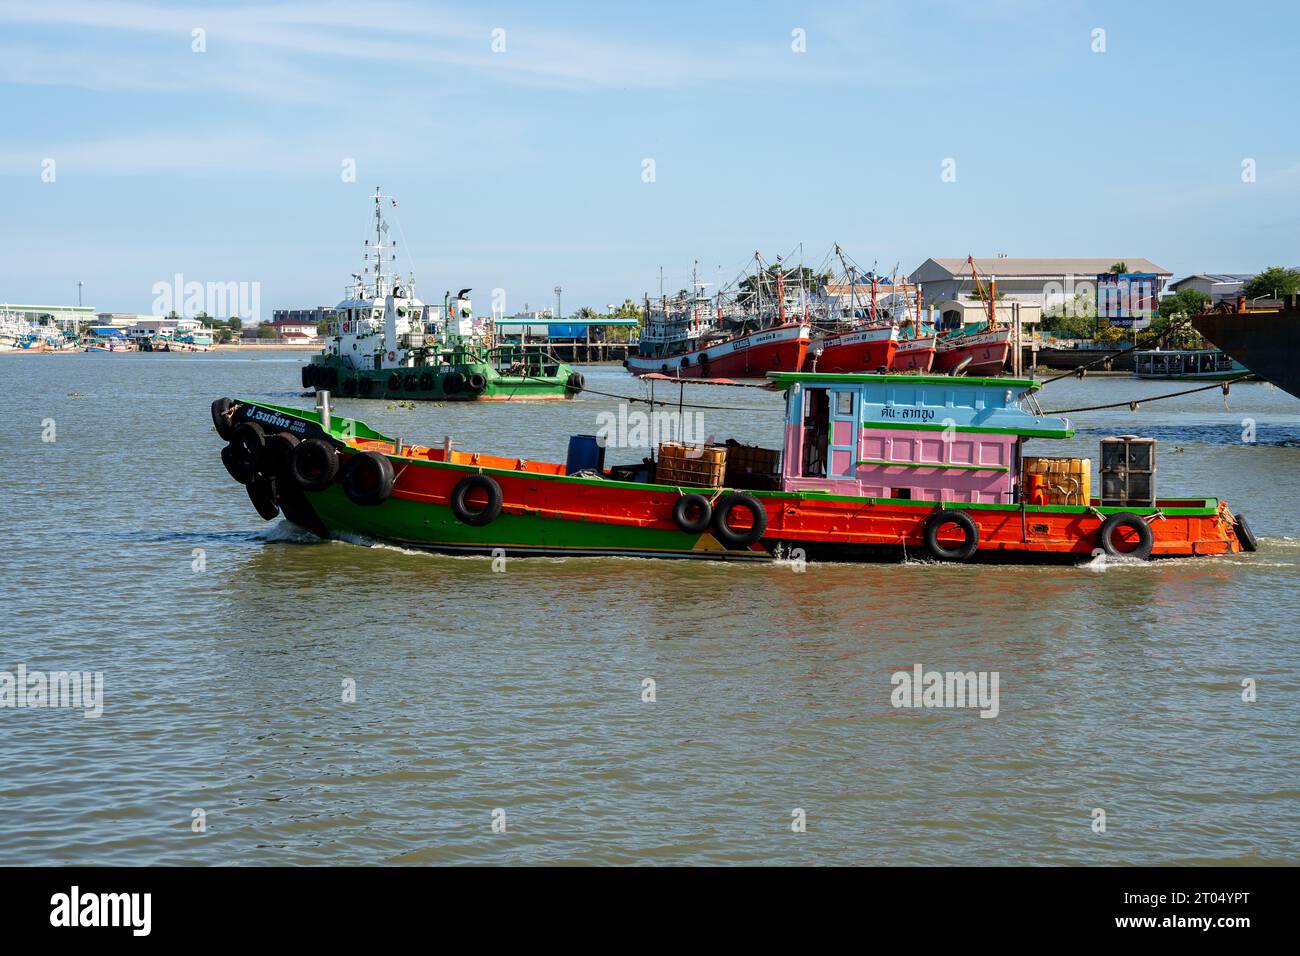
1134	403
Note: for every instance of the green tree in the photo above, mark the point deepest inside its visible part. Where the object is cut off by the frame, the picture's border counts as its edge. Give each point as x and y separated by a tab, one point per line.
1170	332
1075	319
265	332
1274	282
1184	302
222	336
235	323
1118	268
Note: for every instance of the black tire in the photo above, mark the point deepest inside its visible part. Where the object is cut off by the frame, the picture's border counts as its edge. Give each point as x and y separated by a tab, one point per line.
249	441
368	478
1245	536
722	514
476	382
222	409
682	510
460	500
575	383
686	361
942	552
394	383
308	376
350	387
277	455
367	385
453	383
313	464
1125	519
261	492
426	382
411	383
239	467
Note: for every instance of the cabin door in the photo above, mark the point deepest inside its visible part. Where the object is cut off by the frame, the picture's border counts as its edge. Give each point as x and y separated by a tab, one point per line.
843	444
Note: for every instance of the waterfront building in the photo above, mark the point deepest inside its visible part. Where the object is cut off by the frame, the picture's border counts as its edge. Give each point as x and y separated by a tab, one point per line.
1044	282
969	313
65	316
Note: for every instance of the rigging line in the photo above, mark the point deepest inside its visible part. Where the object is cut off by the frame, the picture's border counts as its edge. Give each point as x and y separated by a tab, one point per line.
1153	398
646	401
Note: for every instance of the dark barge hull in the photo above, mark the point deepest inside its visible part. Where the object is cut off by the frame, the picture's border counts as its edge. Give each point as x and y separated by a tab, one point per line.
1266	341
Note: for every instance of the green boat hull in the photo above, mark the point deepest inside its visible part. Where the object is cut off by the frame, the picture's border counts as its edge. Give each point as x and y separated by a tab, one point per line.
462	377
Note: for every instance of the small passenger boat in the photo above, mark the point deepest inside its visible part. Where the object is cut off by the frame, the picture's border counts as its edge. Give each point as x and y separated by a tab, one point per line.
871	466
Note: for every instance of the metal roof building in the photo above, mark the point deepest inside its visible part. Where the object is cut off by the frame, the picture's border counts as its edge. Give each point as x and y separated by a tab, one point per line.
1046	282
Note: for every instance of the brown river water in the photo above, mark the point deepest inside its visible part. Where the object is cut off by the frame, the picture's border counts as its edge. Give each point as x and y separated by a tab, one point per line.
483	696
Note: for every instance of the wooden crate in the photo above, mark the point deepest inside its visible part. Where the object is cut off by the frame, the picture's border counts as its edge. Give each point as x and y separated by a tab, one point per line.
1065	481
691	466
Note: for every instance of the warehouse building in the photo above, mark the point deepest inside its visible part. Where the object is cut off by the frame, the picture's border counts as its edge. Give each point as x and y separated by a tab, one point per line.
1044	282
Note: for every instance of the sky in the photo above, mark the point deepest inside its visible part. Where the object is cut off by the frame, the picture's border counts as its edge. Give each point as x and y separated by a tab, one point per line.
588	145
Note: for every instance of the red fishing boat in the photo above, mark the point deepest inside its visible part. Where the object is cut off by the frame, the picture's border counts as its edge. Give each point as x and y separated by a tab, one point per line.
694	336
857	350
914	354
986	350
778	349
982	351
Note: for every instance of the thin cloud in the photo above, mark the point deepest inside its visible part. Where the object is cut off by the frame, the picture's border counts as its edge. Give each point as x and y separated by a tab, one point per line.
392	33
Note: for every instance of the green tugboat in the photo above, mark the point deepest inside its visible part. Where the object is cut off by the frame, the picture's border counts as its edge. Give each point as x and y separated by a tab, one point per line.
385	343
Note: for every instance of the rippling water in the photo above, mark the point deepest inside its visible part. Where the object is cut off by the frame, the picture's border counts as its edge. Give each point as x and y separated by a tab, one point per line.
1120	682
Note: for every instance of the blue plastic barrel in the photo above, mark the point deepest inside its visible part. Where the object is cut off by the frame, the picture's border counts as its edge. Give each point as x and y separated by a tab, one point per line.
585	454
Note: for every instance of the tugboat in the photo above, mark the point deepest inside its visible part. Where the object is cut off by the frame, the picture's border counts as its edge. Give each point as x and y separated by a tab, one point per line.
870	466
386	343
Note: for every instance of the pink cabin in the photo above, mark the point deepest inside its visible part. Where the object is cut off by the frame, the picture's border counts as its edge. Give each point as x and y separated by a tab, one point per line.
931	438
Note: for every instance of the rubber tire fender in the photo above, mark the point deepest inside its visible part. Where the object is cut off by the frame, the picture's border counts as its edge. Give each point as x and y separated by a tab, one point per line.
308	376
313	464
1125	519
576	382
476	382
681	514
962	552
239	468
738	539
426	382
1245	537
277	454
460	495
261	492
453	383
368	478
221	412
249	441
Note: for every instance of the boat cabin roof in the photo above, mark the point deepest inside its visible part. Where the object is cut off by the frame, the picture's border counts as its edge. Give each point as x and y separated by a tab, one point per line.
925	403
